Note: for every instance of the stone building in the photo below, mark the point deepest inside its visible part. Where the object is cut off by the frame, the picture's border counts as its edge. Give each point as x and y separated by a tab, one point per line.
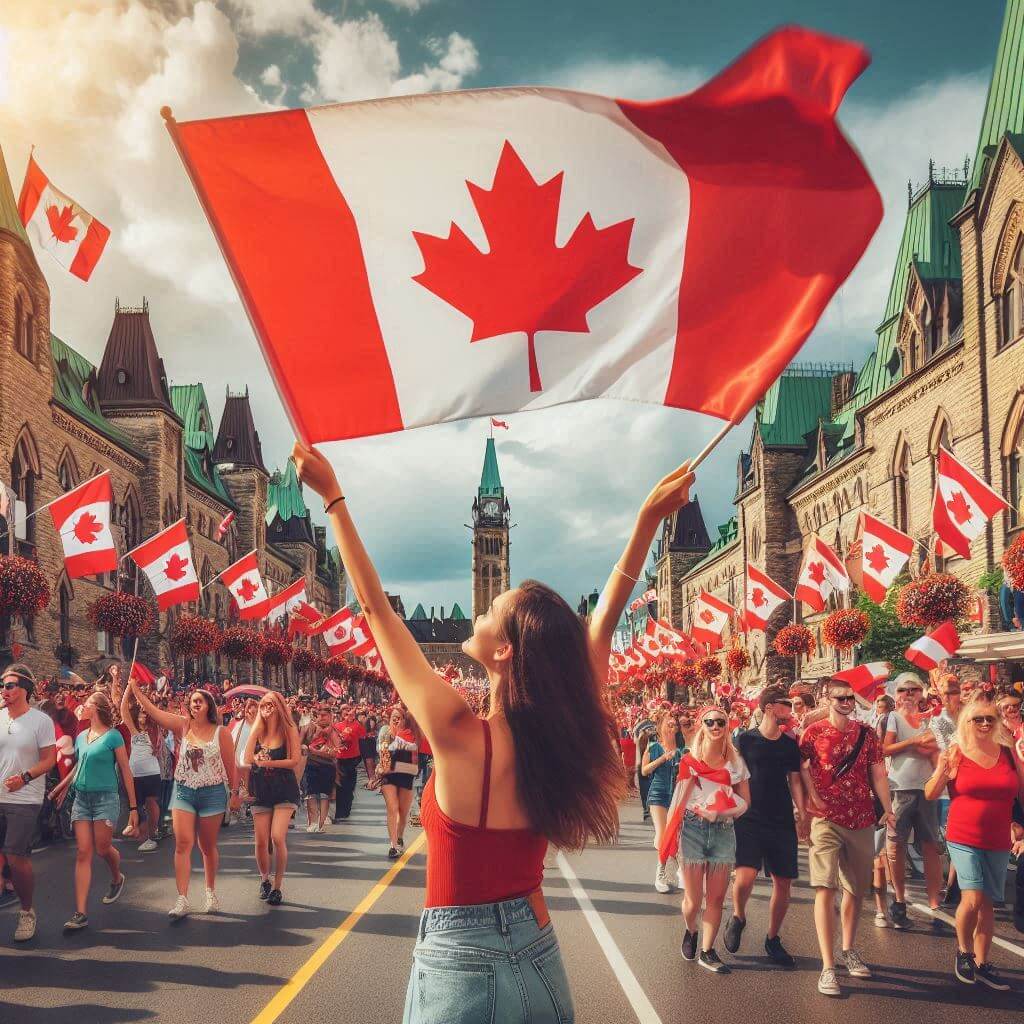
63	420
947	369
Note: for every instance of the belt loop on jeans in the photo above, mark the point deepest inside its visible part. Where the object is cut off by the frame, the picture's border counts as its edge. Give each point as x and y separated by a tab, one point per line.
503	926
539	908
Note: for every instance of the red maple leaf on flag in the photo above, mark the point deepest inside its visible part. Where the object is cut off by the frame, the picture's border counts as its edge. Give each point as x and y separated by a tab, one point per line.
525	283
62	222
706	616
959	508
757	597
341	632
722	802
175	567
816	571
87	528
247	591
877	558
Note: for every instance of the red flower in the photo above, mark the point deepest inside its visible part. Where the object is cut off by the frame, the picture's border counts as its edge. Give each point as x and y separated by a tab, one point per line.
932	599
1013	563
194	637
709	668
845	628
793	640
304	660
23	587
241	642
122	614
276	651
737	659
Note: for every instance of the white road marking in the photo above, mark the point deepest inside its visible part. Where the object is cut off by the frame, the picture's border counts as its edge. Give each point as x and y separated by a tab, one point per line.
645	1012
1011	947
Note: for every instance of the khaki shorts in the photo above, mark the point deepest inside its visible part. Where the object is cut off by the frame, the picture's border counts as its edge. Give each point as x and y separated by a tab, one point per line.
841	856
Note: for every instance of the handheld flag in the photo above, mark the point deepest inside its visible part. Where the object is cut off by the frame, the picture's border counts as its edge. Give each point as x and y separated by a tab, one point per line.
82	519
865	679
934	648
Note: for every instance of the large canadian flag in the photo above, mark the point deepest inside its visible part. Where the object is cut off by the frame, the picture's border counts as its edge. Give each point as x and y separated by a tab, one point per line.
413	260
710	616
963	503
82	519
243	580
57	224
167	561
935	647
287	601
763	596
822	574
337	631
865	679
884	552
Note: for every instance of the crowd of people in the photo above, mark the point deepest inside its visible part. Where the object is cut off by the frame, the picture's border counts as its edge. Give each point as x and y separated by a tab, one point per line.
930	770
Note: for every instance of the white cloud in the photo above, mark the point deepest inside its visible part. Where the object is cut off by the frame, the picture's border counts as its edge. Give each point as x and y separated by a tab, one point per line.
457	60
274	17
639	78
271	75
408	5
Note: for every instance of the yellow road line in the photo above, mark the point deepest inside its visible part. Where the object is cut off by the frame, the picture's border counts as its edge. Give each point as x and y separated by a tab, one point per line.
302	976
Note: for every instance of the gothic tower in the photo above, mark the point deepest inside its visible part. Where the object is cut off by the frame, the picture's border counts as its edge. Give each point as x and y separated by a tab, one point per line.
490	535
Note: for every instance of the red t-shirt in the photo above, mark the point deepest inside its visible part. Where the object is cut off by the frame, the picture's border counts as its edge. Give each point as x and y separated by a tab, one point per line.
848	802
982	803
628	747
350	733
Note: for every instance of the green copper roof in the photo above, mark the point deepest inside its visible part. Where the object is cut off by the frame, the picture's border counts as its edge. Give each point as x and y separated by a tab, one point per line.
793	405
189	402
419	612
9	219
728	536
1004	106
284	495
490	478
458	615
74	379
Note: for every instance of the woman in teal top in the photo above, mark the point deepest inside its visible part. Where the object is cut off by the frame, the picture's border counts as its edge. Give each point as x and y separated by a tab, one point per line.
101	751
661	763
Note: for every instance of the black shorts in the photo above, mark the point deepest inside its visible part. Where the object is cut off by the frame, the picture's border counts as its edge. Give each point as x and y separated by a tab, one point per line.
147	787
398	779
772	847
319	778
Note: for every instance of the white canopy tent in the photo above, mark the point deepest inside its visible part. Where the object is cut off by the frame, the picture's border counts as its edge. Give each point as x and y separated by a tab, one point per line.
993	647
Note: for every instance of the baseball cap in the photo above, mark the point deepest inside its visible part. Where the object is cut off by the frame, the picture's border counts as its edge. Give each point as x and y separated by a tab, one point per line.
907	681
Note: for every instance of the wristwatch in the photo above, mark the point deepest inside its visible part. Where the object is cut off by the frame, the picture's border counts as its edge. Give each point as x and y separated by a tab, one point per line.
26	777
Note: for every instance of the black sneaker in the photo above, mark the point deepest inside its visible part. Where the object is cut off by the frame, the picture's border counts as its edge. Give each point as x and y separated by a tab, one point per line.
733	933
115	890
938	926
689	947
987	974
275	897
265	888
965	968
708	959
898	914
777	952
393	854
76	922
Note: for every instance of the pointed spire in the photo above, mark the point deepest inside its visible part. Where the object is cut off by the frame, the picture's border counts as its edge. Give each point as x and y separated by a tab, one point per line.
490	478
131	373
9	218
237	439
1004	106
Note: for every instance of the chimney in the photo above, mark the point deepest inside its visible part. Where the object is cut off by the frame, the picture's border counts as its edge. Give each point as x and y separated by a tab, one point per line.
442	611
431	611
842	390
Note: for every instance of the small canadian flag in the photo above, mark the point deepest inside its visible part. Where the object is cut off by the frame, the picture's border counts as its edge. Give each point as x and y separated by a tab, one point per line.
884	552
963	504
763	596
864	679
934	647
287	601
82	518
821	575
710	616
374	662
337	631
362	638
224	524
71	235
167	560
244	581
305	619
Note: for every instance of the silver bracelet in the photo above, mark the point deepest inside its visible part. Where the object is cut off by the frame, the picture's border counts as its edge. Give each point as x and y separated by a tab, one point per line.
626	574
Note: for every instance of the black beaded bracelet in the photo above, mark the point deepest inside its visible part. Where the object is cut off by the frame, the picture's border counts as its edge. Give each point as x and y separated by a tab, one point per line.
328	507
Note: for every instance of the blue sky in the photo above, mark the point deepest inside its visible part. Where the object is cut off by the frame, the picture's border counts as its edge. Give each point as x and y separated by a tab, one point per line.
574	475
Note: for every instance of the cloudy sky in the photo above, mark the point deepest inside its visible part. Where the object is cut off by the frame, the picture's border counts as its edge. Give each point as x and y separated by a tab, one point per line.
83	80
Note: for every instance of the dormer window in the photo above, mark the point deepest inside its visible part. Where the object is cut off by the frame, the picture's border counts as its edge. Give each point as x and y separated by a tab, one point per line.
230	444
1011	301
122	377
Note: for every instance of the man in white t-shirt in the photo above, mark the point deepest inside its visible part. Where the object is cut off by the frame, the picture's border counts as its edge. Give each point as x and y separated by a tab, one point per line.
28	750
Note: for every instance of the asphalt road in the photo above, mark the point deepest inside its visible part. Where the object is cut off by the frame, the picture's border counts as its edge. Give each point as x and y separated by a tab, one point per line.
238	966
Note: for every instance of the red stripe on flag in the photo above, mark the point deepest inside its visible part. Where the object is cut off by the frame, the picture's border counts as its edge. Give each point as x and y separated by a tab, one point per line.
90	250
264	183
179	595
31	190
888	534
88	563
770	171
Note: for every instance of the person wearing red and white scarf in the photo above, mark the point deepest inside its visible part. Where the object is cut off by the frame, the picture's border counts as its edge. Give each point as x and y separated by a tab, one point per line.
712	789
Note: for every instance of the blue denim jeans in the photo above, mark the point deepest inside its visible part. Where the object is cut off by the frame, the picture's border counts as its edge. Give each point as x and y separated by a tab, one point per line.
487	964
708	842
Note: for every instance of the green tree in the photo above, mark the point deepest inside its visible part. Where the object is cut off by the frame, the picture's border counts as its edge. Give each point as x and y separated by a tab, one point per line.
888	638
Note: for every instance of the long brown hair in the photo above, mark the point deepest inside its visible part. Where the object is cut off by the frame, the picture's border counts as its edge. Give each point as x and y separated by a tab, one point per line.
568	772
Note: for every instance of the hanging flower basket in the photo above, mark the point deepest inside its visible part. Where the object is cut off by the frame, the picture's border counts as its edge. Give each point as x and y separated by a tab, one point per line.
688	676
304	660
338	668
793	640
709	668
845	628
737	659
241	642
276	651
122	614
932	599
194	637
23	587
1013	563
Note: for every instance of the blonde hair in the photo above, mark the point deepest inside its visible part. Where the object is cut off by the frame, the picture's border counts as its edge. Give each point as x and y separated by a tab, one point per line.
969	708
702	742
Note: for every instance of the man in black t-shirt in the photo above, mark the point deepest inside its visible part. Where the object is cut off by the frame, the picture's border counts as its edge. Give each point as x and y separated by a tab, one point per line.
766	835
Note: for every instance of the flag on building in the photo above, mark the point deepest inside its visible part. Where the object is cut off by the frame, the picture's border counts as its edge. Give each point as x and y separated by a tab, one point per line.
497	250
167	561
499	424
865	679
362	639
822	574
934	648
884	552
763	596
224	524
305	620
58	225
245	584
962	504
710	617
337	631
82	520
374	662
287	601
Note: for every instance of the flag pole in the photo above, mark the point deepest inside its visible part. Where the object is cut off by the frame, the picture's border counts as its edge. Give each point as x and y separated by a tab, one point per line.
711	445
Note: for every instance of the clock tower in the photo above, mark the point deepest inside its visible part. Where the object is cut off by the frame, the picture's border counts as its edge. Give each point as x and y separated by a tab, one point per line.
490	535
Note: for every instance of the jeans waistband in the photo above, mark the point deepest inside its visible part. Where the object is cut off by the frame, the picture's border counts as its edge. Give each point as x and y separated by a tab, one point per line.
696	819
485	915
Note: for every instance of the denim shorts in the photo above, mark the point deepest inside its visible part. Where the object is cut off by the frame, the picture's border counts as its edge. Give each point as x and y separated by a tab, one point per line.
707	842
205	801
978	869
101	805
487	964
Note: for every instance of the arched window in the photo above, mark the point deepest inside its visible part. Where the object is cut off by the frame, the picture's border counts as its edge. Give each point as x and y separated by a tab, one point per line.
1011	300
131	527
24	325
68	475
901	488
940	436
24	474
1012	452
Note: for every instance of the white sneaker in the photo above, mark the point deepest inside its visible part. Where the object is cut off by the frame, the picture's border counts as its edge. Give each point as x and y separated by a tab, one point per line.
828	985
322	828
660	885
180	909
881	921
673	871
212	903
311	827
26	926
148	846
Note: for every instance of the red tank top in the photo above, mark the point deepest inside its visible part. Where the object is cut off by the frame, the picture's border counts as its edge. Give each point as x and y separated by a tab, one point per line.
468	865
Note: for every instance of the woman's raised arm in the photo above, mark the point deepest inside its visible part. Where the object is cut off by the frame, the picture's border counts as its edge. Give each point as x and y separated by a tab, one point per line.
433	703
669	494
165	719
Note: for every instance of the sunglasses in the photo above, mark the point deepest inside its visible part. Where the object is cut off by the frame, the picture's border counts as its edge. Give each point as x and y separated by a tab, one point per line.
911	689
844	700
14	686
984	720
784	703
715	723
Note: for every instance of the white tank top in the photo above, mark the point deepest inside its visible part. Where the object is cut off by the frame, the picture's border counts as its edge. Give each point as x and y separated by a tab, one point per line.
141	758
200	764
